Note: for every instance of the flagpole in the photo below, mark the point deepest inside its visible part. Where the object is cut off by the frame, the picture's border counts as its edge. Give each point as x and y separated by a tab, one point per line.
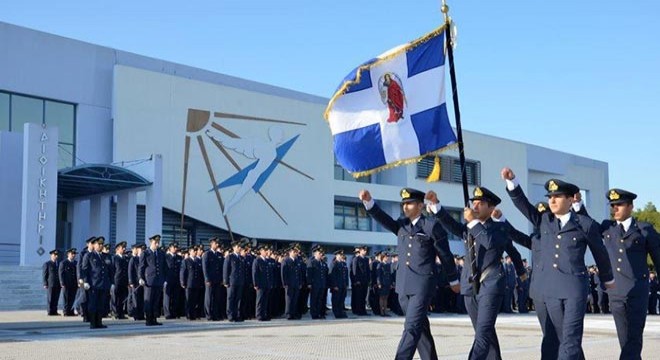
457	112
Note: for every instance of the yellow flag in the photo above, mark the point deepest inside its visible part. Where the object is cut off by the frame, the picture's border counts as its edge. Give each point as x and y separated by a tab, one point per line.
435	173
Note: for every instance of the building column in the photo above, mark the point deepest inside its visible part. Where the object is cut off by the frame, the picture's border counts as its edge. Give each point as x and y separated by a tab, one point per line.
99	216
126	216
154	200
79	211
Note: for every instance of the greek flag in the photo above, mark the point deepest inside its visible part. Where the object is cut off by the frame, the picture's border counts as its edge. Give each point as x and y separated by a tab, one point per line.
391	110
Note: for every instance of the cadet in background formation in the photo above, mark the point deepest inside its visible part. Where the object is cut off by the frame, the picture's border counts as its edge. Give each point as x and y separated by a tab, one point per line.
51	282
151	273
67	275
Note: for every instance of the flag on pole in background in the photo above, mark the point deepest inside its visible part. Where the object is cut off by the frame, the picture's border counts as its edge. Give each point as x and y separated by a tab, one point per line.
391	110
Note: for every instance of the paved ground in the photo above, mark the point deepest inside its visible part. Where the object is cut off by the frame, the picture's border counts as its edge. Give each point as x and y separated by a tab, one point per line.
32	335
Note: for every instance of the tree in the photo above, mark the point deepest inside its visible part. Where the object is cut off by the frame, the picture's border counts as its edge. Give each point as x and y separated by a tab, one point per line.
650	215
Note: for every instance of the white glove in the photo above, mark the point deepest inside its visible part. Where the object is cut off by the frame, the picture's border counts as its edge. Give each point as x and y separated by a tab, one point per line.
165	284
112	287
86	286
80	281
141	282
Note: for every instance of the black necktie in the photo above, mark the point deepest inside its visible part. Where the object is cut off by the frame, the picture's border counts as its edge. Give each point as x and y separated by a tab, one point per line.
473	263
622	229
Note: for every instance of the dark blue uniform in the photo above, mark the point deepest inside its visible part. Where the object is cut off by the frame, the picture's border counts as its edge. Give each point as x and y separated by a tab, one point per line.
654	288
550	342
317	278
338	279
81	296
563	272
510	286
248	303
234	279
491	239
292	282
212	268
67	275
192	280
51	280
171	295
276	301
96	273
152	269
263	279
418	245
360	284
136	292
120	291
628	251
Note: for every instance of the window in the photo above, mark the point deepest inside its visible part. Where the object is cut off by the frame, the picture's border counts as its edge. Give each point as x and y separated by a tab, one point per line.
450	169
457	214
25	110
341	174
4	112
18	110
351	216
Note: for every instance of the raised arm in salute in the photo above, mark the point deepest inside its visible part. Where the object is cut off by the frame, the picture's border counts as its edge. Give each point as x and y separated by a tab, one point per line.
564	237
419	239
482	280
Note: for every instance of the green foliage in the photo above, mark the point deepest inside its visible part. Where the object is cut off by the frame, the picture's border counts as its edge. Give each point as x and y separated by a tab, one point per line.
650	215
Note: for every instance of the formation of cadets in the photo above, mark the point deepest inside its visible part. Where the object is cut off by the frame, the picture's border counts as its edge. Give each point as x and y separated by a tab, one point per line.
238	284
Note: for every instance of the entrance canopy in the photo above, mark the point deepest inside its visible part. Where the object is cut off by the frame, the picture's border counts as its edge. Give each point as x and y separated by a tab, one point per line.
93	179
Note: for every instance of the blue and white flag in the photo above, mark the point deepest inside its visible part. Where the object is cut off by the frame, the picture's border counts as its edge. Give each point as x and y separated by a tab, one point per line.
391	110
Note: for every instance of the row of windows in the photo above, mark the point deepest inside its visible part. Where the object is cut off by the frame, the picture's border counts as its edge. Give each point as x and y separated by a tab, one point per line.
18	110
450	170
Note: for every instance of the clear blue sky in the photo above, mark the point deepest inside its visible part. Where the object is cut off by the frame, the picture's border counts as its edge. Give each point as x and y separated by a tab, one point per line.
578	76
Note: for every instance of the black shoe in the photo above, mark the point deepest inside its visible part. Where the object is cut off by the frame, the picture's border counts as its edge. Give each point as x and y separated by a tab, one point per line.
101	326
170	317
157	323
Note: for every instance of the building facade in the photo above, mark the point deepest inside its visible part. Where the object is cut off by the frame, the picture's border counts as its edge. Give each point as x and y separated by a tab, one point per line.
210	154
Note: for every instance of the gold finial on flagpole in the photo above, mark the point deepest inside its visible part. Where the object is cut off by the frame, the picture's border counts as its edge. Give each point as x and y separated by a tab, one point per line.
445	10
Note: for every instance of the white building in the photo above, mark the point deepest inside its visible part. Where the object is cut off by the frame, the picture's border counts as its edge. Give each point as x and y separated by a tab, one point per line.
134	132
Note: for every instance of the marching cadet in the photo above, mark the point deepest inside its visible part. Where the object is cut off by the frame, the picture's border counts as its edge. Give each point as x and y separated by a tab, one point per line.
628	243
550	341
51	280
360	284
151	273
234	280
483	282
420	239
96	280
212	270
192	280
292	282
81	296
564	238
383	282
262	279
317	275
120	284
172	289
67	275
338	282
136	291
